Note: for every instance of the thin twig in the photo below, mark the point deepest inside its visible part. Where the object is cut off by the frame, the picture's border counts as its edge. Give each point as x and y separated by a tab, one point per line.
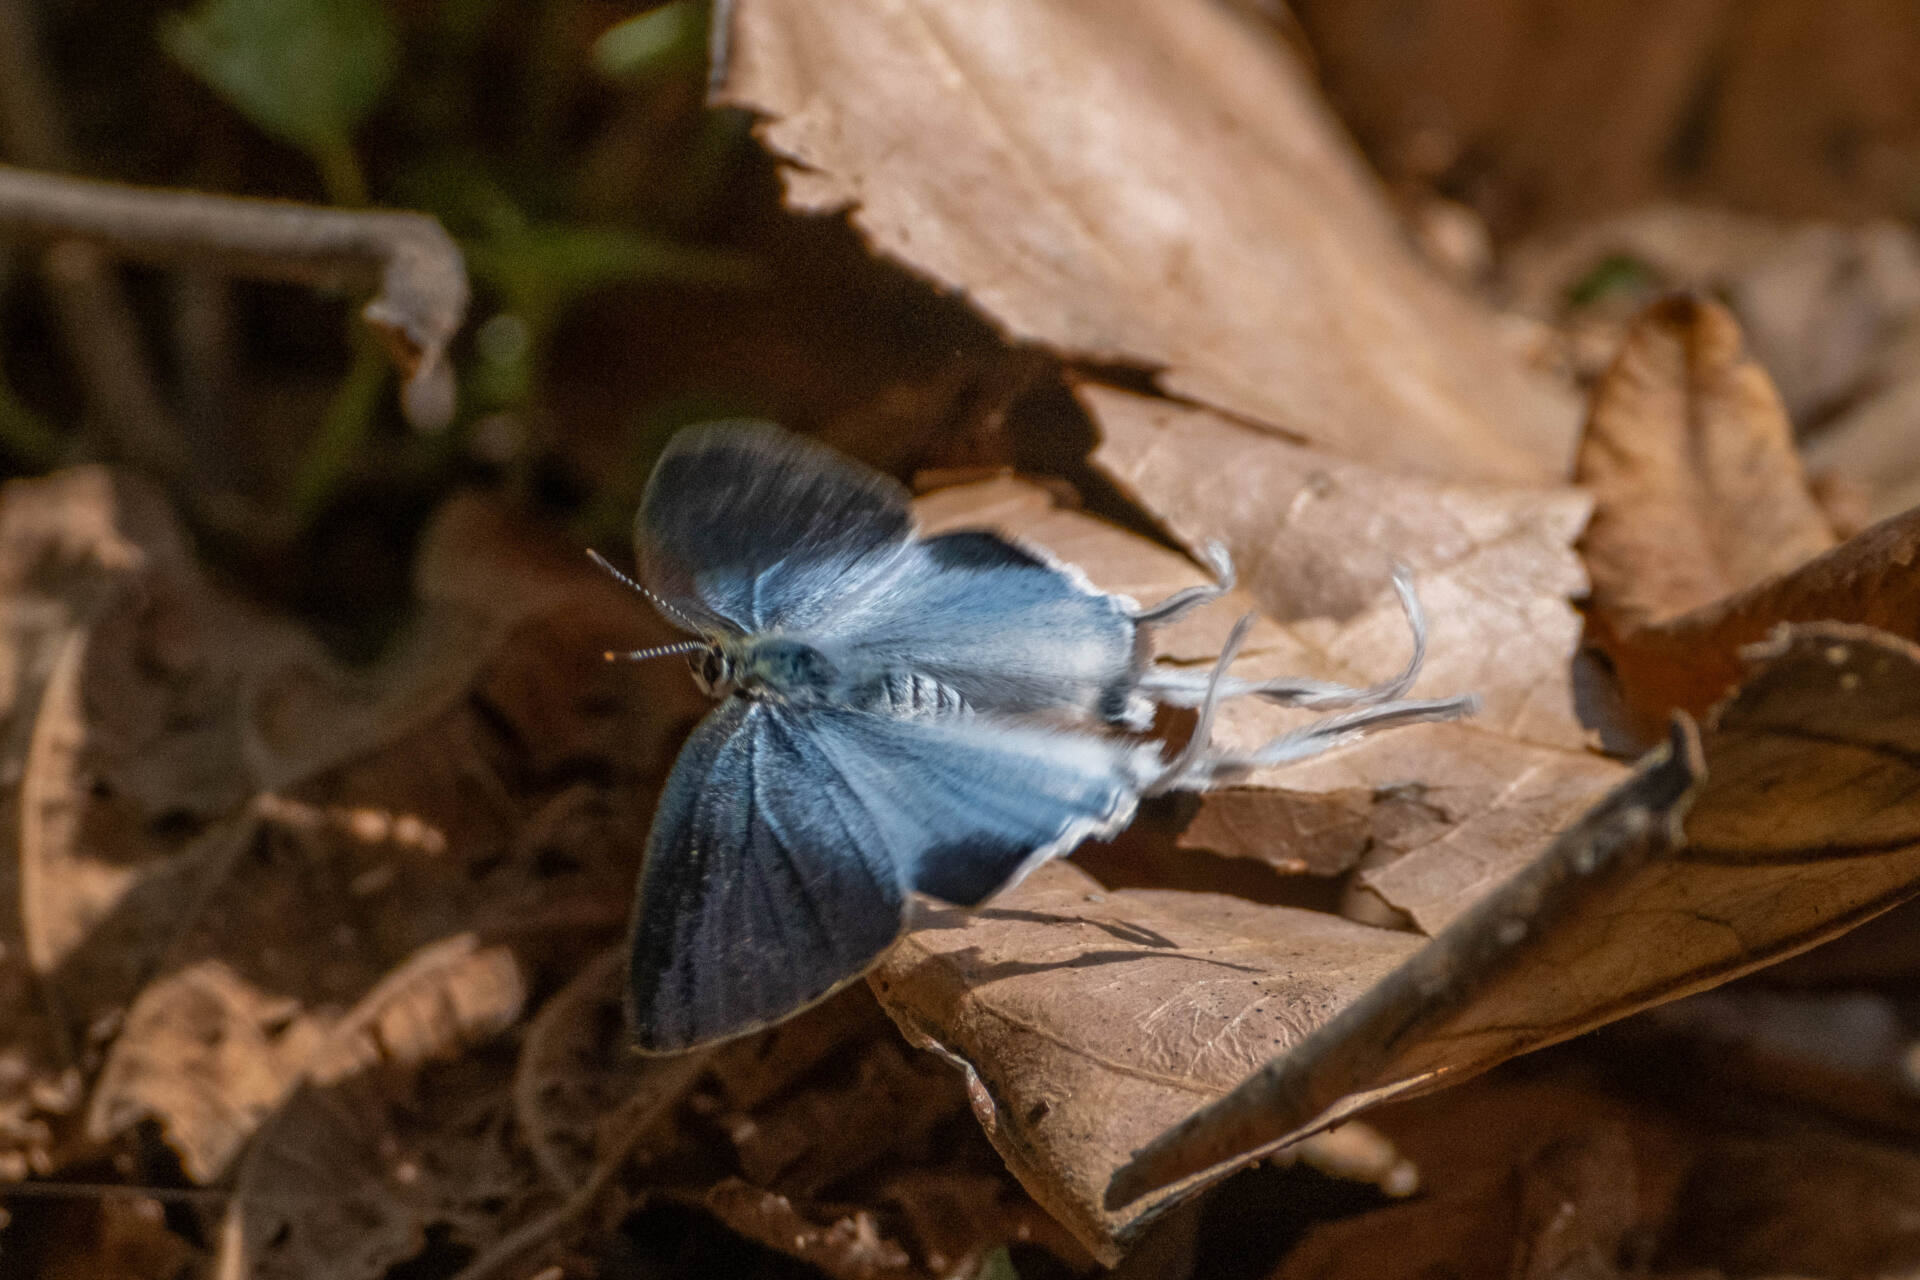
679	1073
418	271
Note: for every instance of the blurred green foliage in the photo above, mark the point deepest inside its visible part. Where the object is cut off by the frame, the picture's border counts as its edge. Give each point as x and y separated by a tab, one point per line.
308	72
660	41
314	73
1614	275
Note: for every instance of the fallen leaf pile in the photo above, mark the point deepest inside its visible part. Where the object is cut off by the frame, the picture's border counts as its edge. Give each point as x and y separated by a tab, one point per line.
338	951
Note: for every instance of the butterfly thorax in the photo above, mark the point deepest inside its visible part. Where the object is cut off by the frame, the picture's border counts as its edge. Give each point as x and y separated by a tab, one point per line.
787	670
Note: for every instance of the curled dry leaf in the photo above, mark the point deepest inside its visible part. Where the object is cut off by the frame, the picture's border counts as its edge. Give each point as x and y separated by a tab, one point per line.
1699	494
1443	812
1688	662
1704	535
210	1056
1698	490
1153	184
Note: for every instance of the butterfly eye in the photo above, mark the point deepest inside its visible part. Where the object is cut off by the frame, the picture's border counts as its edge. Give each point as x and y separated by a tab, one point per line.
709	671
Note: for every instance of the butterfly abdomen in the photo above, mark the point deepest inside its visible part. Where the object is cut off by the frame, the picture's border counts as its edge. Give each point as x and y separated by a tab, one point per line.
909	693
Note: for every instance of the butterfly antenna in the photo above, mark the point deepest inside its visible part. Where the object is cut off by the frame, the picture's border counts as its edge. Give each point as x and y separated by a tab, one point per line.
658	651
658	603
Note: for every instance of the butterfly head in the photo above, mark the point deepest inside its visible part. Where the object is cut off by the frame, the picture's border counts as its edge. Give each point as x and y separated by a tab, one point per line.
715	670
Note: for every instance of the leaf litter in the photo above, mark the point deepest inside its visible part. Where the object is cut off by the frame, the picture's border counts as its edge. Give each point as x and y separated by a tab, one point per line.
346	942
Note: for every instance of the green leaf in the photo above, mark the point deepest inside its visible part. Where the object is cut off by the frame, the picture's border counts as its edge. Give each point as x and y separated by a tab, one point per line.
997	1264
659	40
1615	274
306	71
541	268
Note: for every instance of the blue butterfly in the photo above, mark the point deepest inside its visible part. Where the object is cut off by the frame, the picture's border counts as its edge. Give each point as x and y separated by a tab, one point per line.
898	715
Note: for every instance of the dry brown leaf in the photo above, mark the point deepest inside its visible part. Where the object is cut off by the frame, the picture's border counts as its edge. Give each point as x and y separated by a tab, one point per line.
1446	811
209	1056
1689	662
1314	538
1154	184
1802	826
1699	497
450	996
848	1247
1812	1202
1037	1001
1698	492
1089	1021
346	1181
1550	112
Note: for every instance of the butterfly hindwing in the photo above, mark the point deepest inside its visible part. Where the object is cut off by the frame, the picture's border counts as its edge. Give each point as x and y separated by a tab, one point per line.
746	527
1001	627
968	804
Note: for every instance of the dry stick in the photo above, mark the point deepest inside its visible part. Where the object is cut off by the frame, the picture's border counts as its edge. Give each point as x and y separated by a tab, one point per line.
420	275
1357	1049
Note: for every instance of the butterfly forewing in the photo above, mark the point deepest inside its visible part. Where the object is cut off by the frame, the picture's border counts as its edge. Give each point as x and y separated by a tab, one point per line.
747	528
767	884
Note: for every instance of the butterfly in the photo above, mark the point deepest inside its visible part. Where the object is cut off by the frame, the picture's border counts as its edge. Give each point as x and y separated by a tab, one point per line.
898	715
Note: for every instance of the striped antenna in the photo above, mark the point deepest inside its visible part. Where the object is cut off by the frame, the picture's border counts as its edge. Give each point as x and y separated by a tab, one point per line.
658	603
658	651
